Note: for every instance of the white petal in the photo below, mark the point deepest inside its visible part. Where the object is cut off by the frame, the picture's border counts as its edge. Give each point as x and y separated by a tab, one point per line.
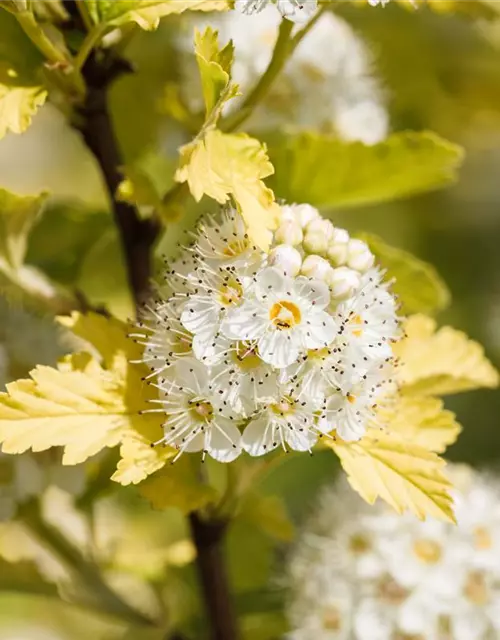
225	440
319	331
199	314
209	347
300	440
279	348
193	374
271	280
258	437
196	443
315	292
246	322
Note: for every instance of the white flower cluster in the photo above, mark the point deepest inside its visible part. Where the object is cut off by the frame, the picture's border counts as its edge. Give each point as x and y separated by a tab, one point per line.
298	11
251	351
327	84
364	573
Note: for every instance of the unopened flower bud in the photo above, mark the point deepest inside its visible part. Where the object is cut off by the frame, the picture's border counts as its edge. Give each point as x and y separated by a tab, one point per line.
304	214
290	233
316	267
286	258
318	234
359	256
343	283
337	249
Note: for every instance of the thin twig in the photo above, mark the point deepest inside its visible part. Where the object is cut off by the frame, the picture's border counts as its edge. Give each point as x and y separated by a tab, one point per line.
80	567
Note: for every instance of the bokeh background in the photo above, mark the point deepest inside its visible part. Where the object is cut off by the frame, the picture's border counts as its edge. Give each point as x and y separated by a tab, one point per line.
436	68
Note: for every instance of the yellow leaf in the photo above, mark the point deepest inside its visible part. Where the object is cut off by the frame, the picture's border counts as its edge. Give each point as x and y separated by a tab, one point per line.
221	165
147	13
17	216
17	106
406	476
423	421
440	362
85	405
178	485
215	69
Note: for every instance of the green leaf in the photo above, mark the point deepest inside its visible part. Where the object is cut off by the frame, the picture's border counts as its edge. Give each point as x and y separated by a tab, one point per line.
17	216
268	513
178	485
419	286
24	577
215	70
326	172
103	279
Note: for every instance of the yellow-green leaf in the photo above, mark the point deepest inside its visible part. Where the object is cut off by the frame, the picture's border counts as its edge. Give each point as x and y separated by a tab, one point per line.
17	216
178	485
85	405
221	165
326	172
215	70
268	513
436	362
146	13
405	475
417	283
17	107
422	420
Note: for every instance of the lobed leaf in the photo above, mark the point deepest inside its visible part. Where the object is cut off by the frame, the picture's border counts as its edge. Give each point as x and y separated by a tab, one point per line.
221	165
18	105
440	362
327	172
85	405
422	421
405	475
418	285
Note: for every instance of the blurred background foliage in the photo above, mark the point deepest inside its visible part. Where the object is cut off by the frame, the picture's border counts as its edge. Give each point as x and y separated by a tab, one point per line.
439	67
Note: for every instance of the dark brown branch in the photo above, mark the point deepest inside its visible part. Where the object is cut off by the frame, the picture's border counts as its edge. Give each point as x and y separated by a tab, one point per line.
208	538
138	236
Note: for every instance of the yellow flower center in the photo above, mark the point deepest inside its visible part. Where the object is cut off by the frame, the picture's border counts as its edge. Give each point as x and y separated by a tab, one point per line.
356	320
246	357
392	592
284	314
482	538
201	411
230	292
359	544
476	589
284	407
332	620
233	249
318	354
428	551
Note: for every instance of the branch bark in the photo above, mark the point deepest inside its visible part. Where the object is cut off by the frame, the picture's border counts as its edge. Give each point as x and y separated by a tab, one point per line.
137	235
208	538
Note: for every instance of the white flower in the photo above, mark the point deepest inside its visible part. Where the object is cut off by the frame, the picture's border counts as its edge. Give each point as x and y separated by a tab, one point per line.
298	11
401	578
250	7
242	379
286	258
196	421
285	316
285	421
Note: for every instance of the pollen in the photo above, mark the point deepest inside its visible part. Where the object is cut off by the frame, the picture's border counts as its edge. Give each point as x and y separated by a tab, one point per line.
285	314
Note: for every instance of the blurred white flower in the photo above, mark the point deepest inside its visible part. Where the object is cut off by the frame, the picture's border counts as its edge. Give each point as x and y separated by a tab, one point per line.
327	83
254	351
368	574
